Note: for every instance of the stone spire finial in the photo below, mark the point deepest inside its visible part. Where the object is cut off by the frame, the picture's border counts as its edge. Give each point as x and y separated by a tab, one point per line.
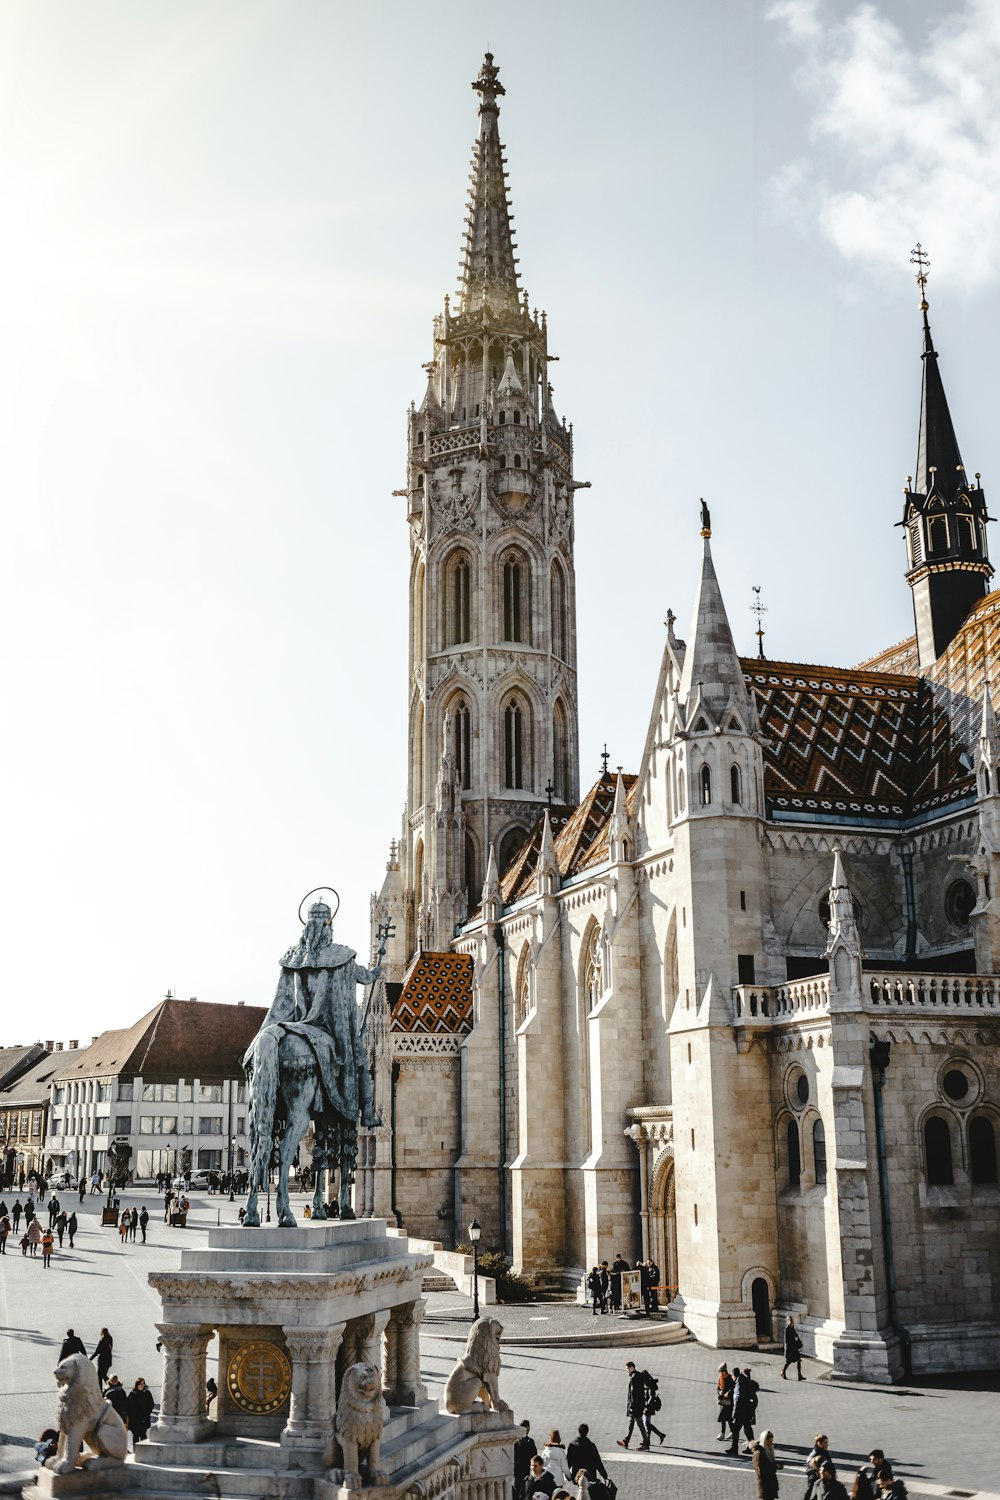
712	675
489	265
842	924
548	865
618	828
491	889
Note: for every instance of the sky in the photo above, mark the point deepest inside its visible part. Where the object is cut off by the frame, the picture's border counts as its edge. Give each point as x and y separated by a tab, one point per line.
225	229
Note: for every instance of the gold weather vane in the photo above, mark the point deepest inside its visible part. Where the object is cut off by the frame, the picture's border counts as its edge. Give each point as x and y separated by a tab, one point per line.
758	609
920	259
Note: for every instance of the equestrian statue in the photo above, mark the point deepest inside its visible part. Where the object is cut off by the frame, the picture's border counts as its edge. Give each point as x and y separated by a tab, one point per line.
309	1062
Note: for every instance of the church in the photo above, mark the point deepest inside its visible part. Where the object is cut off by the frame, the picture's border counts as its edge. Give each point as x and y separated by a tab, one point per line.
737	1008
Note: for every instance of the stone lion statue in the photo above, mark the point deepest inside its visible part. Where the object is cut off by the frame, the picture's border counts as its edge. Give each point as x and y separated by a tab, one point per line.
358	1426
475	1377
85	1417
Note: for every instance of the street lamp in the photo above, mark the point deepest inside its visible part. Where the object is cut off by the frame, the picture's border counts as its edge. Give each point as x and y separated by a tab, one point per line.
475	1230
232	1158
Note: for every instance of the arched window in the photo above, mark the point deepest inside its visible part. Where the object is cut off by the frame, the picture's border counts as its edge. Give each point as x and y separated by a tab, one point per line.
558	611
937	534
794	1155
471	872
705	786
937	1147
982	1151
819	1151
503	418
516	601
736	785
986	780
517	460
459	594
560	752
509	848
517	419
521	990
463	744
593	973
680	791
513	745
417	612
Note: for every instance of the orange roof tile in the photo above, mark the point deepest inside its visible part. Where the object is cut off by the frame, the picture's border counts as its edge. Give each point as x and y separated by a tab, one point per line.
436	995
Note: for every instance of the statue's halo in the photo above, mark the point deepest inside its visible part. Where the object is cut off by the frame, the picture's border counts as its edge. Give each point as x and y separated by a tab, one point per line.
335	904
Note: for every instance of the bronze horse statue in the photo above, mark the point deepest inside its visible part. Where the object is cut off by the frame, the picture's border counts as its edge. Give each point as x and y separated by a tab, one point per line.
309	1063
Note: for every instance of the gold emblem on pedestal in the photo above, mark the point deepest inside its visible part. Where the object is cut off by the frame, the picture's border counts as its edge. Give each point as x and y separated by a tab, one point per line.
259	1377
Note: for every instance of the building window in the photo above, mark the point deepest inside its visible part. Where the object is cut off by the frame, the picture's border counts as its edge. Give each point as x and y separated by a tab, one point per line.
521	991
794	1155
157	1124
959	902
463	744
58	1096
210	1125
819	1152
982	1151
510	847
558	611
594	972
937	1146
460	602
210	1093
36	1124
104	1093
937	534
515	598
955	1084
735	786
241	1093
101	1124
125	1090
123	1124
705	786
159	1093
513	745
471	887
560	752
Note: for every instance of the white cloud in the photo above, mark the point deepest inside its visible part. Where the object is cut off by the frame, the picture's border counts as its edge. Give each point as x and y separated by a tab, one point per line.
906	133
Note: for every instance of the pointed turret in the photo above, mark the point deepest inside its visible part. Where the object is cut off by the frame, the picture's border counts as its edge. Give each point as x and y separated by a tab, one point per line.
489	266
944	516
548	865
712	679
843	947
619	840
491	889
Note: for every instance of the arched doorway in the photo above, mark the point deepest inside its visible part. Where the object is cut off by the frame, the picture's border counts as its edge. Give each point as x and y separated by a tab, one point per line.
760	1301
663	1224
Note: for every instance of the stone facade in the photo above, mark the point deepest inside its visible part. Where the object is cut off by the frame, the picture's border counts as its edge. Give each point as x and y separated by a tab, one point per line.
713	1005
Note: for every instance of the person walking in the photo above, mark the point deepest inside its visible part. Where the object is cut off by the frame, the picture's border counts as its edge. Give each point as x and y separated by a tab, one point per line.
594	1288
139	1404
48	1240
15	1214
117	1395
766	1466
4	1232
866	1485
653	1286
524	1452
168	1199
583	1453
61	1222
72	1224
651	1407
820	1451
724	1396
604	1282
70	1345
539	1480
143	1221
635	1406
744	1409
34	1233
892	1489
827	1485
53	1210
554	1458
793	1348
133	1224
83	1188
618	1265
103	1354
124	1224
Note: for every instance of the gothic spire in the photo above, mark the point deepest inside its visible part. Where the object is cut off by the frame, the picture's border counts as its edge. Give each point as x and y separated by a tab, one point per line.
712	678
489	267
939	462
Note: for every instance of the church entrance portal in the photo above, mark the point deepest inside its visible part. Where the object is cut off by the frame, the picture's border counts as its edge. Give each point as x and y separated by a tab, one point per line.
663	1228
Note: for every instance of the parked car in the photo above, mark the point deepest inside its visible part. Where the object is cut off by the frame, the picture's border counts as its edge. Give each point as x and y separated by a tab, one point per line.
60	1180
196	1180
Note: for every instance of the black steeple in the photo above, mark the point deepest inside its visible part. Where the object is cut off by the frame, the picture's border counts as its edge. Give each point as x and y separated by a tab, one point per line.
944	515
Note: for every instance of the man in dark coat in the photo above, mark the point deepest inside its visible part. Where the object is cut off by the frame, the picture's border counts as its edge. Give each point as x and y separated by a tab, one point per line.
143	1221
139	1404
744	1409
117	1395
539	1480
524	1452
582	1453
71	1345
618	1265
72	1224
60	1226
651	1283
604	1282
635	1407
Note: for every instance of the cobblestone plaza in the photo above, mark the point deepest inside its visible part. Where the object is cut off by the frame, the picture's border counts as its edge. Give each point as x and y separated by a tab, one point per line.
937	1434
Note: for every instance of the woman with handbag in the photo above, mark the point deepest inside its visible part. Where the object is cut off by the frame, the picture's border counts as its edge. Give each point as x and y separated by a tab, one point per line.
724	1394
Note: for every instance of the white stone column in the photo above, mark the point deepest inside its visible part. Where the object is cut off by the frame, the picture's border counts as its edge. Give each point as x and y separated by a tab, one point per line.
408	1318
313	1352
390	1362
182	1416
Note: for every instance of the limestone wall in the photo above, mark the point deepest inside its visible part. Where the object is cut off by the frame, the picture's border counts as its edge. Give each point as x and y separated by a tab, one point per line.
427	1102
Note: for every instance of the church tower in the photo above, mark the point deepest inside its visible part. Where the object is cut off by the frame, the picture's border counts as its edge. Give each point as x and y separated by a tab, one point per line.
944	516
492	672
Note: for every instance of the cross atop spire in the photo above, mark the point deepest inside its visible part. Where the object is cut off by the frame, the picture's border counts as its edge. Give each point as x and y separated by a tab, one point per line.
488	277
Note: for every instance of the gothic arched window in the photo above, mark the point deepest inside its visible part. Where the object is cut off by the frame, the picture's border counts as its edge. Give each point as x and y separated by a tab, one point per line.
515	598
471	885
560	751
558	611
514	745
463	743
735	785
593	974
982	1151
459	597
937	1147
705	786
521	990
510	845
819	1152
937	534
794	1155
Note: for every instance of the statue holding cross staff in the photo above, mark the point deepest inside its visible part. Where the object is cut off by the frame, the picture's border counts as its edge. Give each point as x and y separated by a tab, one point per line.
309	1063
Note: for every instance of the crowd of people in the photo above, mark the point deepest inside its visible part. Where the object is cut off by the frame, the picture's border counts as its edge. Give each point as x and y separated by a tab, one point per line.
35	1237
549	1470
135	1406
605	1285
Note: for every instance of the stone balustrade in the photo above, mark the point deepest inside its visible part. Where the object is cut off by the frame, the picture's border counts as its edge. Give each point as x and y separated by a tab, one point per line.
757	1003
760	1004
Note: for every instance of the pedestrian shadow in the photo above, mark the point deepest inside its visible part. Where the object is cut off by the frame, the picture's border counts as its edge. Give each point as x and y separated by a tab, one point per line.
841	1459
29	1336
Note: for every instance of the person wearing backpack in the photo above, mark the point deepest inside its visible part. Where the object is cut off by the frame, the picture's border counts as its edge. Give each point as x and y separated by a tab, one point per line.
651	1407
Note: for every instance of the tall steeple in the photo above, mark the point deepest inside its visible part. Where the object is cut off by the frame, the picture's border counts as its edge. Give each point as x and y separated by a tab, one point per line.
489	268
490	494
944	515
712	680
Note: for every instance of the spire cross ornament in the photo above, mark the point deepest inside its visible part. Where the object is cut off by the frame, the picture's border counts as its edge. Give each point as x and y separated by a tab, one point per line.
920	259
488	84
758	609
549	791
605	757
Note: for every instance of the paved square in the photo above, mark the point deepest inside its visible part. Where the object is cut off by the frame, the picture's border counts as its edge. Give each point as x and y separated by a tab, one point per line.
942	1436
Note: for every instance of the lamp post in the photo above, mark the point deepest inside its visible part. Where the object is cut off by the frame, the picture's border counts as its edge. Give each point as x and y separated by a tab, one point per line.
475	1230
232	1159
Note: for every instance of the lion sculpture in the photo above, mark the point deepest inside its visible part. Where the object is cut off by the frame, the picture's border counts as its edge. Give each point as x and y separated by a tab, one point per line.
475	1377
358	1426
85	1417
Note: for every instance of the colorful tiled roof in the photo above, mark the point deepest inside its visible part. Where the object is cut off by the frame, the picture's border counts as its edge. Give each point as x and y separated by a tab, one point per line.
580	837
437	995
